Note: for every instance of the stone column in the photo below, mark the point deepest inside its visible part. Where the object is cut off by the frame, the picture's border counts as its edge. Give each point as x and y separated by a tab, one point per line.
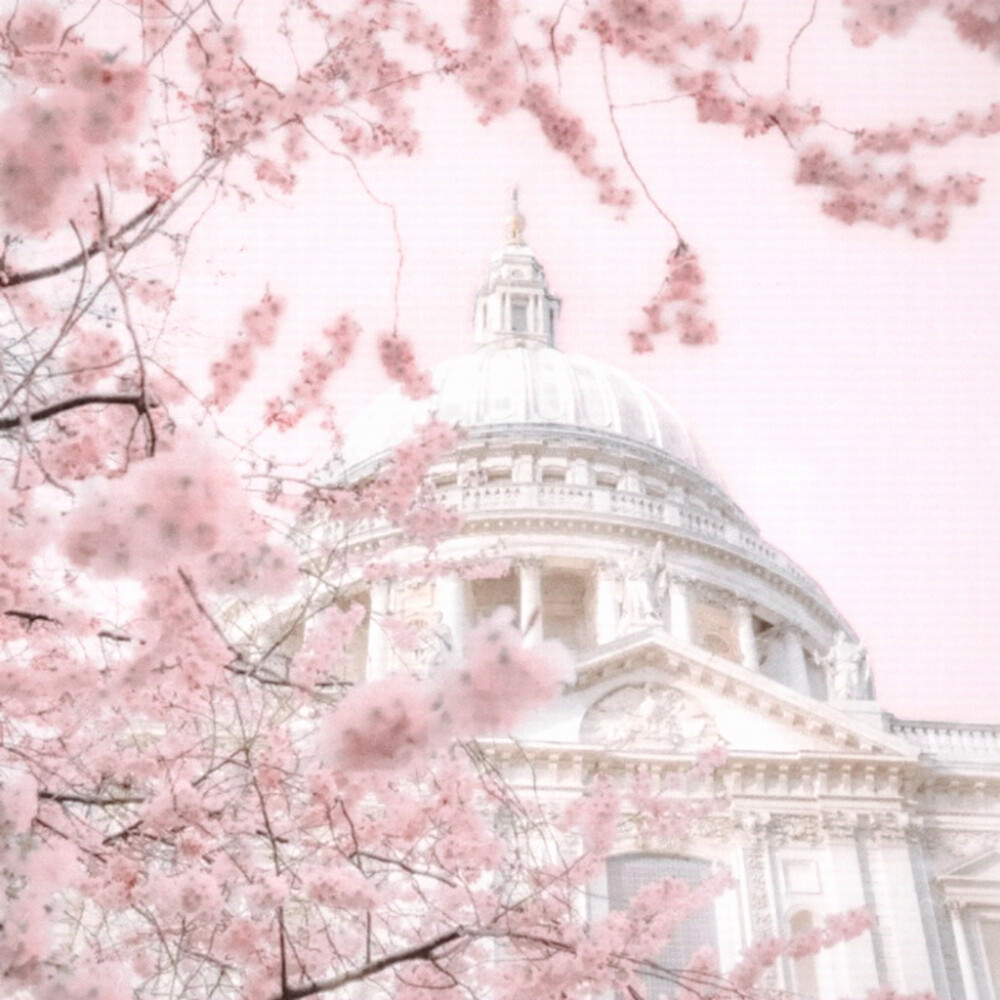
748	640
680	610
451	603
897	902
608	608
378	645
796	674
965	962
530	612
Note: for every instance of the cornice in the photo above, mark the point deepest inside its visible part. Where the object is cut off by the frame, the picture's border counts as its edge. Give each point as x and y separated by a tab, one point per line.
616	526
657	649
803	781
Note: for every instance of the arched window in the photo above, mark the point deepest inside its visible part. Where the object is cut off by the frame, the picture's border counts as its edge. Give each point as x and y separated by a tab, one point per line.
805	978
629	873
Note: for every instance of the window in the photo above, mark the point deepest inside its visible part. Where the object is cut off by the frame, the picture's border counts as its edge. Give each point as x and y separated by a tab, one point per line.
519	315
628	874
713	627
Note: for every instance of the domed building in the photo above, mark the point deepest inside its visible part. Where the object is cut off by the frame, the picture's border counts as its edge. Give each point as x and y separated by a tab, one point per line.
688	629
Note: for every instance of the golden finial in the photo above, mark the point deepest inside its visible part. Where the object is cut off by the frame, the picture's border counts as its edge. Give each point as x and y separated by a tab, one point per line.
515	225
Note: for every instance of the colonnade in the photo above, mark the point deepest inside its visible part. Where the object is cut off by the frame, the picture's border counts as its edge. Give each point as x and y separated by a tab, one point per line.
451	601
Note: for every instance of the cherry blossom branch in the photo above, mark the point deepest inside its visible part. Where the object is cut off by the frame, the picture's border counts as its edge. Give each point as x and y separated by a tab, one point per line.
417	953
140	402
624	150
93	250
739	17
91	800
791	45
30	617
115	278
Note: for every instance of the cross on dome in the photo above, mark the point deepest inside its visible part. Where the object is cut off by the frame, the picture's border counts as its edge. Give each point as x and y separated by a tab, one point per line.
514	306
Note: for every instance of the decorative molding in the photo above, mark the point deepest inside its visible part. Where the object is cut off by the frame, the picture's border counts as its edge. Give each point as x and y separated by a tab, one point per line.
945	847
839	825
794	828
648	716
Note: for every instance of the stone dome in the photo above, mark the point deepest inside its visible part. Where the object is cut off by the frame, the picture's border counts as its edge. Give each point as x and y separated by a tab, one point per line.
515	383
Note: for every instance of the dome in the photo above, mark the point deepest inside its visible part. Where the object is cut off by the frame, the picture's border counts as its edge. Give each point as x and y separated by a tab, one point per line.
517	381
512	385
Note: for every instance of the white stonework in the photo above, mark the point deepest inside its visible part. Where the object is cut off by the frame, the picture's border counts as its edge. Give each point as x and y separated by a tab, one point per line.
688	628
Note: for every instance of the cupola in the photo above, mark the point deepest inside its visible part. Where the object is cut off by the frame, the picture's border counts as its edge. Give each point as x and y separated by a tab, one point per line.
515	304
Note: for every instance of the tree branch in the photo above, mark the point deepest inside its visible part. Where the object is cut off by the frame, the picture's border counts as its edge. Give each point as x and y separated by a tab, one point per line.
83	799
416	953
141	404
95	248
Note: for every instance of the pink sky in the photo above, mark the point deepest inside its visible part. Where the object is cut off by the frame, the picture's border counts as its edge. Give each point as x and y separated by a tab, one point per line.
852	404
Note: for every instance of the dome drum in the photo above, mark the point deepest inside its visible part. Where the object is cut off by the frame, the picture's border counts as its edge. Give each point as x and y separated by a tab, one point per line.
591	486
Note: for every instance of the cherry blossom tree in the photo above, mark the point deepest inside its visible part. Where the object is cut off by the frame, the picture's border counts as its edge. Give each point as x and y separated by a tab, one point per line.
194	799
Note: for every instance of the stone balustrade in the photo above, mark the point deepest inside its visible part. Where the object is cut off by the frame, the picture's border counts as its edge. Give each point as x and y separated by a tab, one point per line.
944	739
531	497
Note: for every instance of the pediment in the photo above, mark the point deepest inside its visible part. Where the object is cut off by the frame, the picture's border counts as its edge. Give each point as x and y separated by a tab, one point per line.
984	868
653	692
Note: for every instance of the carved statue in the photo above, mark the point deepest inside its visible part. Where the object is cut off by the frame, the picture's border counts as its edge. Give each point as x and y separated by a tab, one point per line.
847	672
643	586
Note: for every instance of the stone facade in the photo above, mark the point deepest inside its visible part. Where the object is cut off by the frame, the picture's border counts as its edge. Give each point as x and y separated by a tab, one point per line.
689	629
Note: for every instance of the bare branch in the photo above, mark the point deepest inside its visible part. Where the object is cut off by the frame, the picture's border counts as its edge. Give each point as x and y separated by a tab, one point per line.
78	259
415	954
140	402
791	45
92	800
625	153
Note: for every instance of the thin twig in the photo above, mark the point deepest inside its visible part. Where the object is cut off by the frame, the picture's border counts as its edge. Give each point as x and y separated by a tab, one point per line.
791	45
625	154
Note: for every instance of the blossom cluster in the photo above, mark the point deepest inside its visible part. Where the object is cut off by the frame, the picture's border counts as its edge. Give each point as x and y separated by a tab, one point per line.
391	722
896	138
864	193
328	639
183	507
306	394
237	366
567	134
975	22
659	33
54	139
400	364
761	955
91	356
677	306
